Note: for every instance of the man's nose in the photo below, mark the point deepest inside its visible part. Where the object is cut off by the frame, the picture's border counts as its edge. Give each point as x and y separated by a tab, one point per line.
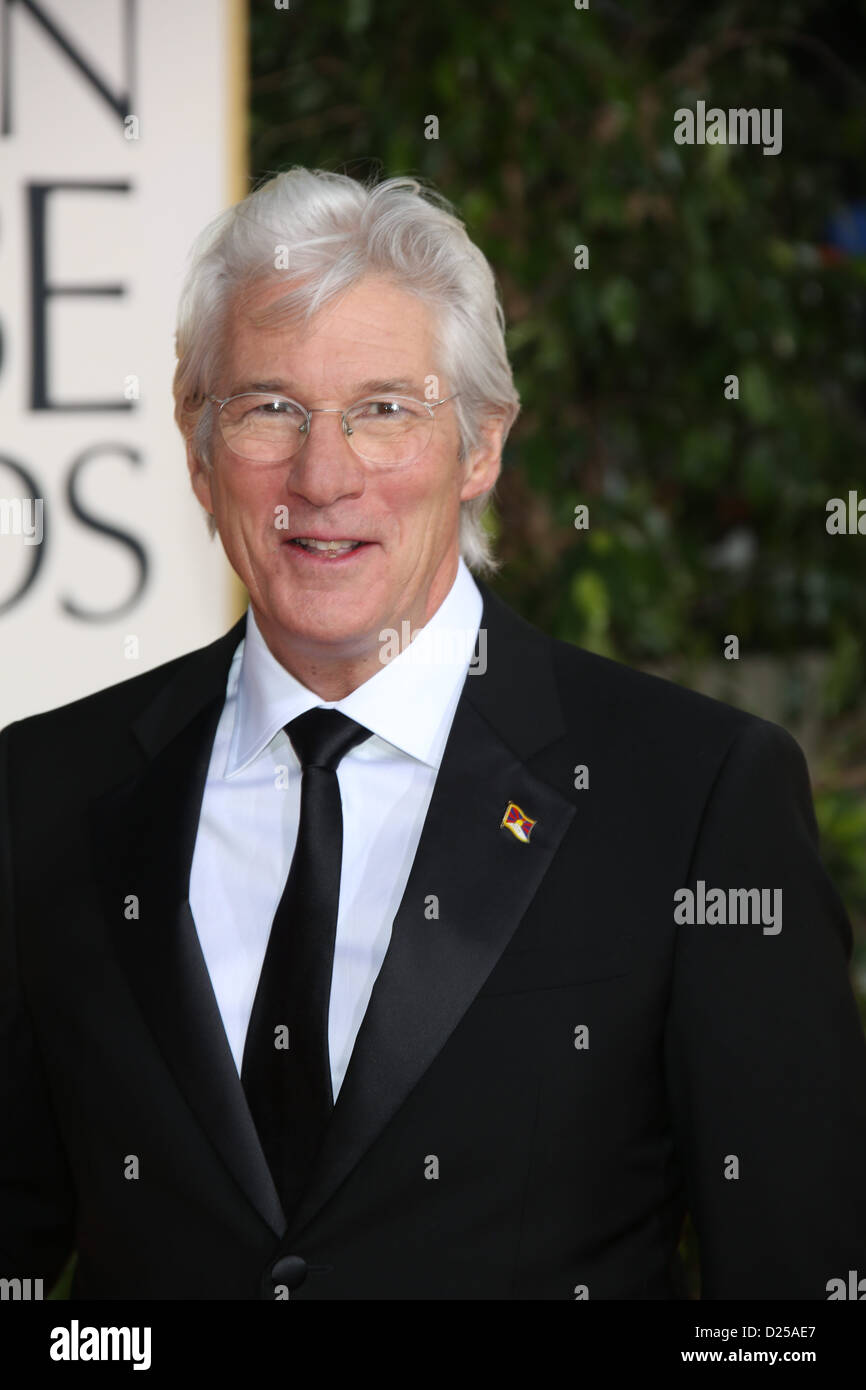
325	467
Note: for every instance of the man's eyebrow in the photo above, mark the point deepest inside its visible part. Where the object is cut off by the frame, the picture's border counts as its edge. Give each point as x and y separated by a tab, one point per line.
371	387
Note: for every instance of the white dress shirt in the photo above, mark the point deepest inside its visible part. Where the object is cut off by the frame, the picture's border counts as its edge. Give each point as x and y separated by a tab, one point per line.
251	808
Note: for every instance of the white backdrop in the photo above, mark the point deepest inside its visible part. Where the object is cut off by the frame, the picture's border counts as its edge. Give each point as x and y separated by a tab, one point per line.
95	228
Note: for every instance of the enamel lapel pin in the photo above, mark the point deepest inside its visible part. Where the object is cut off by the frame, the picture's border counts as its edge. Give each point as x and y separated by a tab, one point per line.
519	824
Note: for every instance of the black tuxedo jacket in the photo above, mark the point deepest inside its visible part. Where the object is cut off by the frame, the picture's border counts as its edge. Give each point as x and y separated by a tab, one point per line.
549	1072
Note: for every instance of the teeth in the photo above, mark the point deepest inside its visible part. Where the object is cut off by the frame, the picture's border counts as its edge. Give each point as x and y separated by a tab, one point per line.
330	547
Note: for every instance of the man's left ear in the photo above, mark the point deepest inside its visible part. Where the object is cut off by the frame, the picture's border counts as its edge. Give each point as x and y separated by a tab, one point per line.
482	466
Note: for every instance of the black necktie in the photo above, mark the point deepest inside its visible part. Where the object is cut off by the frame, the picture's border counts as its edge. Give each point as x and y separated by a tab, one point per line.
286	1070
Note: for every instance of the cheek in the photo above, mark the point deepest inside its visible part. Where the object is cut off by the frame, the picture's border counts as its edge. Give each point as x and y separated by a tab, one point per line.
423	499
245	500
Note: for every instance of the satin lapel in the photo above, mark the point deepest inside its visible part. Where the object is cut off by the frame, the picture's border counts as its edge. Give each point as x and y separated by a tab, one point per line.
144	834
484	879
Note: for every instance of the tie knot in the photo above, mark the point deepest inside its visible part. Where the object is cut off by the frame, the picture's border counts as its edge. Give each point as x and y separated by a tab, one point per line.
321	737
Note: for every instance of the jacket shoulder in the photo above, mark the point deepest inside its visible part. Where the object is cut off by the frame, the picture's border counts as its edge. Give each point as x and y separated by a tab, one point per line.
616	705
642	695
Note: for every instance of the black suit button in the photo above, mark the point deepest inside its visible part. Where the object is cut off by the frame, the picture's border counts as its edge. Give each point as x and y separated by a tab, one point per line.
290	1270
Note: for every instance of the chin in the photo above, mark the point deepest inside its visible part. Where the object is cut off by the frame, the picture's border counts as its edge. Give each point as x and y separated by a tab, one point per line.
325	621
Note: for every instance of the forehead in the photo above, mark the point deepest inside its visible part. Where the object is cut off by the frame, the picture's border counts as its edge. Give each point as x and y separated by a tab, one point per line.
375	329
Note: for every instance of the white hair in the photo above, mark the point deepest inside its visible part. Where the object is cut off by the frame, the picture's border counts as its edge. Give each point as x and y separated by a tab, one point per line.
334	230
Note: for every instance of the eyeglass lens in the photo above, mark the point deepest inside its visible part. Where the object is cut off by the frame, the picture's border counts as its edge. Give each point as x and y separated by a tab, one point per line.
268	429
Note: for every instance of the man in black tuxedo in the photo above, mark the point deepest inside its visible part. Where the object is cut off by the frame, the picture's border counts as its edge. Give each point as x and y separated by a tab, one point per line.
335	971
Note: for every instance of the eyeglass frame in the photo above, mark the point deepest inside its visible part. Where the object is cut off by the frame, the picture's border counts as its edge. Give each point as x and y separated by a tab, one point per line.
309	412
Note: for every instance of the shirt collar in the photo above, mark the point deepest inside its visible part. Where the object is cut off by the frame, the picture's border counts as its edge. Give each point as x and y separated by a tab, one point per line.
409	703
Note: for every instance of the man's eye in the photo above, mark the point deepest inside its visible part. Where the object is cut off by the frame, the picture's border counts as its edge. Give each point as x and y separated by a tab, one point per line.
381	408
270	409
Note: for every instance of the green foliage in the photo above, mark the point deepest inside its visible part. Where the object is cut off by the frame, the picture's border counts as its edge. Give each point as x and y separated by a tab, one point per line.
707	514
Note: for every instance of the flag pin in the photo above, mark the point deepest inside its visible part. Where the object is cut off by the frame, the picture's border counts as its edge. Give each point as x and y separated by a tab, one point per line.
519	824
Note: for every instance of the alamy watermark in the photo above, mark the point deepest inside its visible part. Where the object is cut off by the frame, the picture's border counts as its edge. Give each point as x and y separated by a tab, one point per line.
851	1288
729	907
22	518
76	1343
21	1290
436	646
739	125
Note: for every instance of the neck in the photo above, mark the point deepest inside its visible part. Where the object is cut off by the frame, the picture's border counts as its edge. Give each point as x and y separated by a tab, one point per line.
331	681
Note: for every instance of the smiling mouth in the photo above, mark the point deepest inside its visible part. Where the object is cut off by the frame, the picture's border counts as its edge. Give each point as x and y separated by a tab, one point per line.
328	549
